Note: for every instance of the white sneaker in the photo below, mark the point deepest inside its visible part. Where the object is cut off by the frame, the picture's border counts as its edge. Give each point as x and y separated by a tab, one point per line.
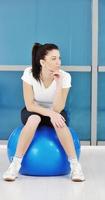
12	172
77	174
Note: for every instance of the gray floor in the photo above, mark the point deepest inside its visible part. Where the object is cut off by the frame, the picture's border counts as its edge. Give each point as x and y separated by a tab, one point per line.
59	188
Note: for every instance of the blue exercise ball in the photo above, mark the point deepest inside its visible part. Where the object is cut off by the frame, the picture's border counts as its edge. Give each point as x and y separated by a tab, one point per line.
45	155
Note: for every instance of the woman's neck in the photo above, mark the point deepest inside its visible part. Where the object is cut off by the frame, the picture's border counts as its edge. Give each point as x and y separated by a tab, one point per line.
46	77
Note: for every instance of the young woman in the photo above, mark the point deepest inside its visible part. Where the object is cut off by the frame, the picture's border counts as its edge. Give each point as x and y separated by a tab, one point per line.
45	88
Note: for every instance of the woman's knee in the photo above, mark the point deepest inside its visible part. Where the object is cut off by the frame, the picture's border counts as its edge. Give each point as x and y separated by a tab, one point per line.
34	119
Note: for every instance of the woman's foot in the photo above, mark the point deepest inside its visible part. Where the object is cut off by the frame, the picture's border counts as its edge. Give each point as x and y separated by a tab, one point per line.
77	173
12	172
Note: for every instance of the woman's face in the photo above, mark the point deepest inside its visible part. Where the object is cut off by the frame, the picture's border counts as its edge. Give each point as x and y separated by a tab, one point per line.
51	62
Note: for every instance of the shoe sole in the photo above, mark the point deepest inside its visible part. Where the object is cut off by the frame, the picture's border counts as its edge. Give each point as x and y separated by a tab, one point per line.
78	180
9	179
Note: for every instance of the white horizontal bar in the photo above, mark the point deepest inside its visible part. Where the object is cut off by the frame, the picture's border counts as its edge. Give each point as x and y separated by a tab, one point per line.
13	67
85	143
101	143
101	68
4	142
72	68
77	68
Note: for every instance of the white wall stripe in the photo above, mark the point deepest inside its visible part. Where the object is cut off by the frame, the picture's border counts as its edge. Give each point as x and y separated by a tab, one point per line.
101	69
72	68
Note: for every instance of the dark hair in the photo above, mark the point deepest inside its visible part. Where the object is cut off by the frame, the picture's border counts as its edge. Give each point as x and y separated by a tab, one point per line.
39	51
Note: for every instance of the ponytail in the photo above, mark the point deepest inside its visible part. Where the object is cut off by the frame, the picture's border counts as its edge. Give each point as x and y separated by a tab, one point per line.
36	67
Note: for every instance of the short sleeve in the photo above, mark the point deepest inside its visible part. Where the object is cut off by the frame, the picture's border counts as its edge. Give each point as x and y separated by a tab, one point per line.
27	76
66	80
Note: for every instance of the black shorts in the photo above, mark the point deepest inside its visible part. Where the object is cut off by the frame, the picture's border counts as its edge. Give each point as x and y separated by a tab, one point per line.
44	119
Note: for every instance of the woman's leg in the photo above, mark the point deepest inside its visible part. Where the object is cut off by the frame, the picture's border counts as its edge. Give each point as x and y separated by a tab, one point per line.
65	138
27	134
25	139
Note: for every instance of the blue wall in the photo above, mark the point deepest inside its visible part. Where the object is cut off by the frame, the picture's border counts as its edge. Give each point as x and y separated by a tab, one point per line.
101	60
66	23
101	76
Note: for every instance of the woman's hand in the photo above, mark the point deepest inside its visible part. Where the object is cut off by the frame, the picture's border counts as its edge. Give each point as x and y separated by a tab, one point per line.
57	77
57	119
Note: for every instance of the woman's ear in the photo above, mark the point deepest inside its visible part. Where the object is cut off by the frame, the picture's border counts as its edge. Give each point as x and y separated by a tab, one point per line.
42	62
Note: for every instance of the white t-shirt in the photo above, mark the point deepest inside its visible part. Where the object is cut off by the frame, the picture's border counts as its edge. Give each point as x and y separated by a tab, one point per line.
44	96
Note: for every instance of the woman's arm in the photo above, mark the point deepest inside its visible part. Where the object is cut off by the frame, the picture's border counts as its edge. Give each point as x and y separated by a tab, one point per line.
61	93
30	103
60	99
